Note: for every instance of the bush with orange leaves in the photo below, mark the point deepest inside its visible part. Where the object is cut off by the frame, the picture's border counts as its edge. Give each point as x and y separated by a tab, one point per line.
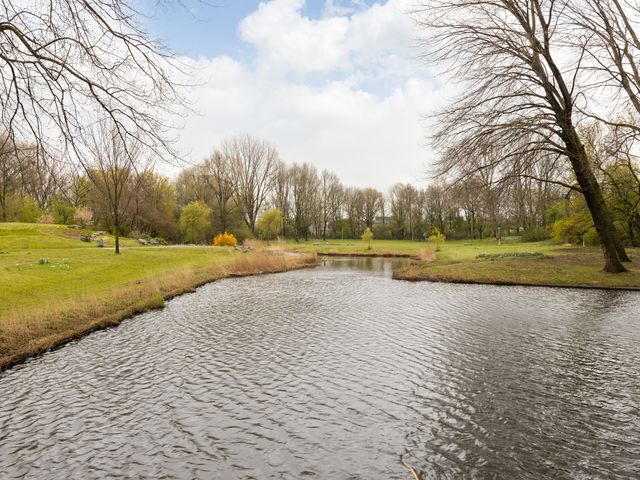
225	240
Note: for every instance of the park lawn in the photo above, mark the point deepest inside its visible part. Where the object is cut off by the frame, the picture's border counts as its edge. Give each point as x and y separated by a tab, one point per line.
27	236
59	291
450	250
457	261
557	265
31	278
466	250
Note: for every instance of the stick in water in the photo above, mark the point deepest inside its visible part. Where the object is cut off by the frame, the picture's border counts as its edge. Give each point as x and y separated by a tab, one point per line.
411	469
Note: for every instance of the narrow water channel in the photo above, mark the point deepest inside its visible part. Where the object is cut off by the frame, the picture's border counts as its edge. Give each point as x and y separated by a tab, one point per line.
338	372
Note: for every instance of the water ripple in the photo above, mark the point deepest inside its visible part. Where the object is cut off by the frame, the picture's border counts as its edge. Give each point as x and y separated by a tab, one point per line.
338	373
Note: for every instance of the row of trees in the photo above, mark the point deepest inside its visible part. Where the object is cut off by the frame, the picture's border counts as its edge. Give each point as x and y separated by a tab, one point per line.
534	75
229	191
114	190
244	188
246	177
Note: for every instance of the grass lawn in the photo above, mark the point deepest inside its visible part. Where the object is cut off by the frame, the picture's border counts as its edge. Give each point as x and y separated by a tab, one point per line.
514	262
358	247
54	287
450	250
486	261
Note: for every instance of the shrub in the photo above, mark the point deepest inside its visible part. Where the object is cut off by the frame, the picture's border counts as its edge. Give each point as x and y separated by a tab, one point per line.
572	228
195	222
270	224
241	232
367	236
382	232
437	237
225	240
62	213
591	238
28	211
46	218
535	234
491	256
83	216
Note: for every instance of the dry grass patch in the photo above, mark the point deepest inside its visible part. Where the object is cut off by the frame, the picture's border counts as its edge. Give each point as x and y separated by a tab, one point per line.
27	329
427	255
575	267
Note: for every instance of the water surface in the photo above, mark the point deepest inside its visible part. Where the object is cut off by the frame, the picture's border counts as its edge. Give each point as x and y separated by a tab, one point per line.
338	372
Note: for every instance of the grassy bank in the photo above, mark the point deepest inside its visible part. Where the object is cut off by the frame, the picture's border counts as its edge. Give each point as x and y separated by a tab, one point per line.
536	263
380	248
53	287
486	261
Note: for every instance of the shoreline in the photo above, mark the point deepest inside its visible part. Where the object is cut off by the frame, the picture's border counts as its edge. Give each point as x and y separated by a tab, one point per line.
40	346
398	274
367	255
511	283
246	266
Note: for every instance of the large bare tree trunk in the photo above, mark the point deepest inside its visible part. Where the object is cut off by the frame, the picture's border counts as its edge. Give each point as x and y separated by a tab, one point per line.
609	239
525	75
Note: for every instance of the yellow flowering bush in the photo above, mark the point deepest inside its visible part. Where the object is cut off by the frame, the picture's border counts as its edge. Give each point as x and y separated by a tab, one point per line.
225	240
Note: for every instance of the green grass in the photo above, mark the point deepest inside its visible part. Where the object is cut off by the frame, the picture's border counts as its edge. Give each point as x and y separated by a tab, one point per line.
68	273
451	250
35	236
486	261
54	287
358	247
535	263
466	250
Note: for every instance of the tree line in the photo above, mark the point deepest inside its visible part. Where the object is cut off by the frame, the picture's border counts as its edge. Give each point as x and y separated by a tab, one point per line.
543	137
246	189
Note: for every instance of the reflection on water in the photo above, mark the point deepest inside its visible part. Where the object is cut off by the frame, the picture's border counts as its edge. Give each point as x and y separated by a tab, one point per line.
338	373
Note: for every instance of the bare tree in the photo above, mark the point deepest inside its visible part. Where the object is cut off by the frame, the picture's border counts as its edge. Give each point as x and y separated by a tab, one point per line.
435	205
354	210
610	41
335	204
305	192
373	201
112	168
191	185
217	171
521	74
404	201
9	168
40	179
282	193
330	199
66	62
253	163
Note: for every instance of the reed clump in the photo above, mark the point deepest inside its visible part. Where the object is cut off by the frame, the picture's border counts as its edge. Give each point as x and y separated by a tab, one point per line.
427	255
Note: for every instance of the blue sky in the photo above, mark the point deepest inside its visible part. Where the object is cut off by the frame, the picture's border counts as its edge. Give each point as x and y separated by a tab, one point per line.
333	83
200	28
210	27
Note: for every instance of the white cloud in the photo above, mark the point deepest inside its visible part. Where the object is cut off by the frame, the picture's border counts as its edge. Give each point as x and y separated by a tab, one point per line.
288	41
363	120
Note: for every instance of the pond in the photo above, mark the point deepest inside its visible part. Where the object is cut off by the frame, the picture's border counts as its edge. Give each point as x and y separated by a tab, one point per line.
338	372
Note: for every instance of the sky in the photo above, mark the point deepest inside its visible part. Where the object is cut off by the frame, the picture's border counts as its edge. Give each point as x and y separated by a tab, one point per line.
336	83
